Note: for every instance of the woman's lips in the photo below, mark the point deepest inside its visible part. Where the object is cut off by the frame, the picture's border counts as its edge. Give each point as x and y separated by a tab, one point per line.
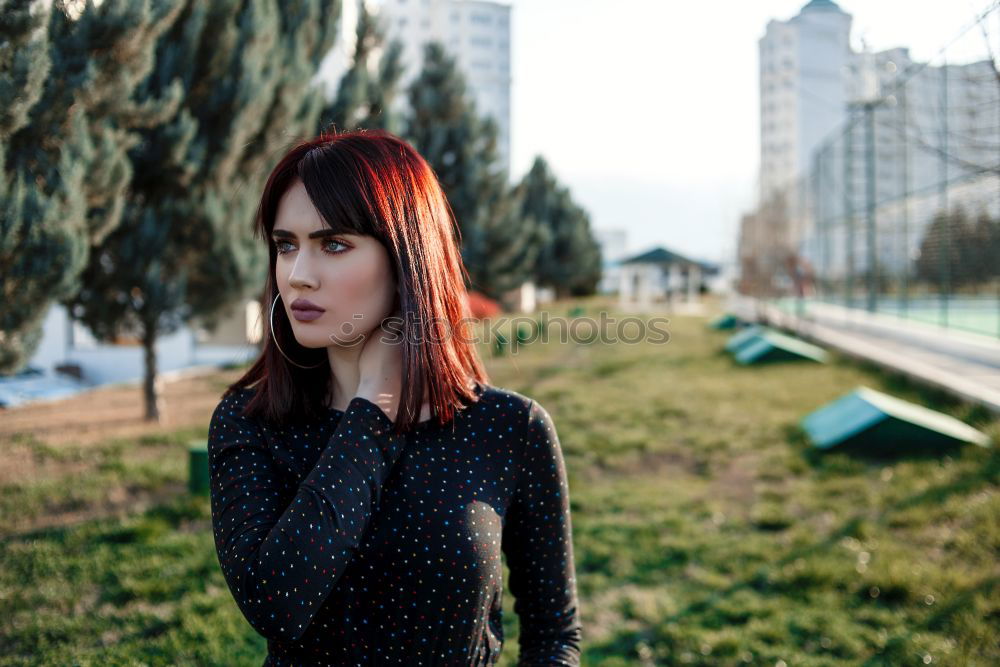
305	304
306	315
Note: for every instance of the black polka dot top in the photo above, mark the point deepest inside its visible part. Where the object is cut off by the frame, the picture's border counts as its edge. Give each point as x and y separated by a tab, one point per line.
344	543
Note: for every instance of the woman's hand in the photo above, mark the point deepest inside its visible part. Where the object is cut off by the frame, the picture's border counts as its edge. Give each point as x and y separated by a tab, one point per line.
380	365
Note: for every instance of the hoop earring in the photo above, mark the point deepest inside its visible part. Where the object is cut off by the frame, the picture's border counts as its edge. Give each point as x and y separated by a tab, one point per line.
275	338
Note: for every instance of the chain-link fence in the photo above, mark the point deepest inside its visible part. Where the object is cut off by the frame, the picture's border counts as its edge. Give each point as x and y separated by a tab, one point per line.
899	212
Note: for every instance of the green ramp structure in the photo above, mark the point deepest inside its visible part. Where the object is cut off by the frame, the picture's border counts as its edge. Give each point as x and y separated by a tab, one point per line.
725	321
770	345
738	340
871	422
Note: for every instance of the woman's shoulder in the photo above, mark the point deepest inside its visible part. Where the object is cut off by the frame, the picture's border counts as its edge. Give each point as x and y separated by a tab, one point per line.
237	396
231	404
505	400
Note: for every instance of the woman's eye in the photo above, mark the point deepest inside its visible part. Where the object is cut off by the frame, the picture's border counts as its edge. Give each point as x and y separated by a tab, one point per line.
279	247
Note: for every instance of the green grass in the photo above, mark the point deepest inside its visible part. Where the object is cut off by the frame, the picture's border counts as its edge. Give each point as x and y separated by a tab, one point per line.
146	590
706	530
117	468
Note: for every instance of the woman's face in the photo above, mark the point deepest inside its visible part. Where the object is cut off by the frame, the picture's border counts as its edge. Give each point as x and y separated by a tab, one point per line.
348	275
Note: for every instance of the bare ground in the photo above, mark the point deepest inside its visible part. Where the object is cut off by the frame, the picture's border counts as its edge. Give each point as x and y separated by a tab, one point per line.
66	439
116	412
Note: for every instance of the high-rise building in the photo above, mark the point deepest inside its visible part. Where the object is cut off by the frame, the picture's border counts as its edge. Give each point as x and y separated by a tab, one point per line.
926	135
932	129
475	32
803	89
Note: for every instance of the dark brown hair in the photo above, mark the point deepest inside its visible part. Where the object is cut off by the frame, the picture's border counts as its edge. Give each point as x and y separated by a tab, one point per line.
373	183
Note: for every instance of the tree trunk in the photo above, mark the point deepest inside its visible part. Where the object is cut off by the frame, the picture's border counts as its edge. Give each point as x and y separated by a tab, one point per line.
149	384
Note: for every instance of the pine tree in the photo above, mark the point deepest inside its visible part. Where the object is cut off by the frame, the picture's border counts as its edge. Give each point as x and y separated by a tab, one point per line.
68	120
184	252
497	240
25	63
383	89
442	126
943	250
504	244
984	249
366	91
583	254
539	194
569	257
348	106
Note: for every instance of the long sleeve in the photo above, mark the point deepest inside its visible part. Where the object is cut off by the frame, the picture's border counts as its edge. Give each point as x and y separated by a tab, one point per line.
281	559
538	544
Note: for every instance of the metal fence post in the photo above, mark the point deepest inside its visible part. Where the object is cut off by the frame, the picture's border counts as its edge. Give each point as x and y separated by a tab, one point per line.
944	263
869	108
849	209
905	212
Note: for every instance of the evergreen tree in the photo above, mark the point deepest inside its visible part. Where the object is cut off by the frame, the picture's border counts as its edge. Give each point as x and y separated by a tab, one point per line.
944	252
539	193
498	245
348	106
985	249
366	91
185	252
571	261
68	120
443	127
25	63
502	246
585	252
383	90
569	258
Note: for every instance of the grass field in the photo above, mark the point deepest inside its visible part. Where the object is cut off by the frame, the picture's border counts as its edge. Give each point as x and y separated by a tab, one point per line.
706	531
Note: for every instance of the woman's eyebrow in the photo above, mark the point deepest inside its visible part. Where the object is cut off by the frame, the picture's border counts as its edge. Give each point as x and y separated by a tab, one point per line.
285	234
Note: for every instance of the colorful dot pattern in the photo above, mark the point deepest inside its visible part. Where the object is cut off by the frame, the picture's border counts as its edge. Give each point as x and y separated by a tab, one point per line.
344	543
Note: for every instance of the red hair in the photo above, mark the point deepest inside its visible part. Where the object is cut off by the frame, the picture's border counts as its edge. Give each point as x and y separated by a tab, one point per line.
373	183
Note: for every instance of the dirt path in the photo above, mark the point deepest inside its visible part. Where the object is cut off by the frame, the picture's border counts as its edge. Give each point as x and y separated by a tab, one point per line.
71	438
116	412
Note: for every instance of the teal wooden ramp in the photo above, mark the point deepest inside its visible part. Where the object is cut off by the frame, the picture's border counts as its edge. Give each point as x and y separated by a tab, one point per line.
738	340
725	321
770	345
872	422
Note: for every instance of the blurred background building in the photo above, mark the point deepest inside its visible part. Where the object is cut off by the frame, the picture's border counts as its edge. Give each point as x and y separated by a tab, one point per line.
879	182
804	70
659	275
476	32
613	244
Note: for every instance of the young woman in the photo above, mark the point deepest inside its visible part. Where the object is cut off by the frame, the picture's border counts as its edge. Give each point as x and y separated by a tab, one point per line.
365	476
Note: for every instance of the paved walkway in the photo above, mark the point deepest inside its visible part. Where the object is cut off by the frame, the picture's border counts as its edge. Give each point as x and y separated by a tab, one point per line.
965	364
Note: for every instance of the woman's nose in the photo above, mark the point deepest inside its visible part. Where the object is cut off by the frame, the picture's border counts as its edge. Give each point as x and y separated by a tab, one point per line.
302	273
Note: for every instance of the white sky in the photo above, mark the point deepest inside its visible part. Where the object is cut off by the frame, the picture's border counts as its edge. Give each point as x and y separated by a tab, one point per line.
647	109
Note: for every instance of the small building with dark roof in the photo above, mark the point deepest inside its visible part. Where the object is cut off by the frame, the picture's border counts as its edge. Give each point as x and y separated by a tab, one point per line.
662	275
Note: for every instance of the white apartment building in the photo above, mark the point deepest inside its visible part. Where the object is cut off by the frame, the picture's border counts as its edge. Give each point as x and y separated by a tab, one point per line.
803	89
812	84
934	133
476	32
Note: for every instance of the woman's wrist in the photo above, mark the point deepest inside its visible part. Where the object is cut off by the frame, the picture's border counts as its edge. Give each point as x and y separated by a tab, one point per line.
379	396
